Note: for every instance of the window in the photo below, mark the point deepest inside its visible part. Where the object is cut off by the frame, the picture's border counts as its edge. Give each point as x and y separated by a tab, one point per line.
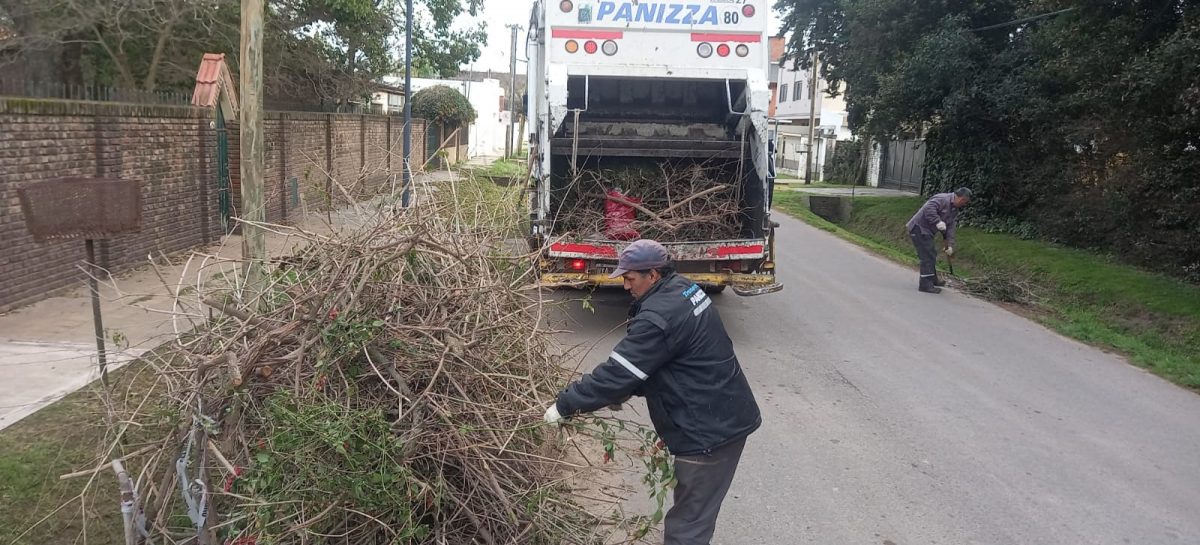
783	93
796	94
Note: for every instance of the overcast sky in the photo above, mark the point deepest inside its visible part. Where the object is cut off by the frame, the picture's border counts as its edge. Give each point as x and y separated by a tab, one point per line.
498	13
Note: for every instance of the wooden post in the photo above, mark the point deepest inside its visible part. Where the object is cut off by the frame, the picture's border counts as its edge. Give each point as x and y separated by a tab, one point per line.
329	167
254	239
510	143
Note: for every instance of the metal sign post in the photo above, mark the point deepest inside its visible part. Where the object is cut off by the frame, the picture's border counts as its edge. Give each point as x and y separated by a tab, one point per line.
88	208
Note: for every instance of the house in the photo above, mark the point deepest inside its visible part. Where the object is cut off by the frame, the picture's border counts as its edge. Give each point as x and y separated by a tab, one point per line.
776	46
388	99
797	89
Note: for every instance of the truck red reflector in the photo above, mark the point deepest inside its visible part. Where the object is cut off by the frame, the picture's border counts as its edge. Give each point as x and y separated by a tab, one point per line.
715	37
726	251
587	34
587	249
723	50
590	47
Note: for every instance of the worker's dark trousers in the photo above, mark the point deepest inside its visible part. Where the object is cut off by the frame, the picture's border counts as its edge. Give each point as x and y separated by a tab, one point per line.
703	481
928	257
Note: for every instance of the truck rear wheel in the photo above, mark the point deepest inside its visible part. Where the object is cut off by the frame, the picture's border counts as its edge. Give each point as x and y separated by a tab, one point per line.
713	290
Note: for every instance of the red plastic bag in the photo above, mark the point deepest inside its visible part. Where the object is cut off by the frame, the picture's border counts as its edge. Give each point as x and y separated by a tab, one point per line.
619	216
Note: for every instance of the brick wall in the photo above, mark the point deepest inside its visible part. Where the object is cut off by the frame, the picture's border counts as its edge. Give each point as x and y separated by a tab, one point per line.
322	152
171	152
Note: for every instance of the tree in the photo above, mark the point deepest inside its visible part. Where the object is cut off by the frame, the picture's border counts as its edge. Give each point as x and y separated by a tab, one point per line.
1078	117
442	105
324	51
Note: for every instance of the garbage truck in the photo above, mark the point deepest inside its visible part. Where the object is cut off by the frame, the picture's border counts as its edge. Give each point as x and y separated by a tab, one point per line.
621	93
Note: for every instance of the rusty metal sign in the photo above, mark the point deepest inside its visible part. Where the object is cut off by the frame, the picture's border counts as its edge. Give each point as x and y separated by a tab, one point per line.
91	208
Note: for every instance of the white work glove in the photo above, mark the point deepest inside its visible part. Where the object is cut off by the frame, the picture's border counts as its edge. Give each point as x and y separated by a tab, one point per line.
552	416
949	250
941	225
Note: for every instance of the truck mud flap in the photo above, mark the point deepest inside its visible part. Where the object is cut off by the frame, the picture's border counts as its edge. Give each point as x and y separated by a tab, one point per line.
750	291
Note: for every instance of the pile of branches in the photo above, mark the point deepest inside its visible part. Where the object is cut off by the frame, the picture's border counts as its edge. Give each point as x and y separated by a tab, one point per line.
1018	287
387	387
673	202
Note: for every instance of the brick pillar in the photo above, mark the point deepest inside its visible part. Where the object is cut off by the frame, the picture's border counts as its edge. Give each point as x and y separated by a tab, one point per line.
203	180
283	188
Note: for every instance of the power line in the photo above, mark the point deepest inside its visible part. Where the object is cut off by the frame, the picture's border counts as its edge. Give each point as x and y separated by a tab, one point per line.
1023	20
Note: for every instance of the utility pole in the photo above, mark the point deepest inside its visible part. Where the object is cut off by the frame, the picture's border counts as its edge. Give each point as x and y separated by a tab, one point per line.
812	119
406	175
510	144
254	238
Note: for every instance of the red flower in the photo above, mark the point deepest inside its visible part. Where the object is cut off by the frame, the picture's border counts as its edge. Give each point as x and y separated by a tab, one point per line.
237	472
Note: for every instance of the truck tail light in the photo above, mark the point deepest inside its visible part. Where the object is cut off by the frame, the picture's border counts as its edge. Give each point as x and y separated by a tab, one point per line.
566	6
747	10
590	46
705	50
572	46
577	264
742	50
723	50
609	47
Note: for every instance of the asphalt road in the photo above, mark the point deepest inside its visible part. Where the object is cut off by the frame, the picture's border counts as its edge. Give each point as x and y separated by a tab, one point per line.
894	417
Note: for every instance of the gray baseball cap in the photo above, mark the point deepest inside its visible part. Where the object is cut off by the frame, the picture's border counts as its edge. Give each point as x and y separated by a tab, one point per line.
641	255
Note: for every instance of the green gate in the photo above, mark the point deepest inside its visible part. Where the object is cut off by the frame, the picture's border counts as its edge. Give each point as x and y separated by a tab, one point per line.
223	182
433	137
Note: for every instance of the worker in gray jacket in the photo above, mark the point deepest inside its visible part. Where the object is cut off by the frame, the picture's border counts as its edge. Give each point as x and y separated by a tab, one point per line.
677	355
939	214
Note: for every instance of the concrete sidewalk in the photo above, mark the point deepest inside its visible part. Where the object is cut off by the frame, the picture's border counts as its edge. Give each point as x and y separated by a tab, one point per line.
857	191
48	349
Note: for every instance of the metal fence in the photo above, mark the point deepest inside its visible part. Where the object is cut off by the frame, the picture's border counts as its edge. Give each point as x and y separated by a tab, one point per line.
100	93
95	93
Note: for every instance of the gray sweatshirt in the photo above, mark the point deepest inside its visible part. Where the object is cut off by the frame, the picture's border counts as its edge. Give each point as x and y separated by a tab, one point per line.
939	207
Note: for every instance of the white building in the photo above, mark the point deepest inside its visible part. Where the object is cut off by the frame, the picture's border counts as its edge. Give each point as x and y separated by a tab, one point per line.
488	131
389	99
793	109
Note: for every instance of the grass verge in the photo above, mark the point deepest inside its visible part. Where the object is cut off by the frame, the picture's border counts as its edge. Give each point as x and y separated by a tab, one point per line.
481	201
1151	318
67	436
503	168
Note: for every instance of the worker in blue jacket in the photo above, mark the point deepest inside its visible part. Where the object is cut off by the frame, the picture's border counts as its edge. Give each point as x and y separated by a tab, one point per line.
677	355
938	215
